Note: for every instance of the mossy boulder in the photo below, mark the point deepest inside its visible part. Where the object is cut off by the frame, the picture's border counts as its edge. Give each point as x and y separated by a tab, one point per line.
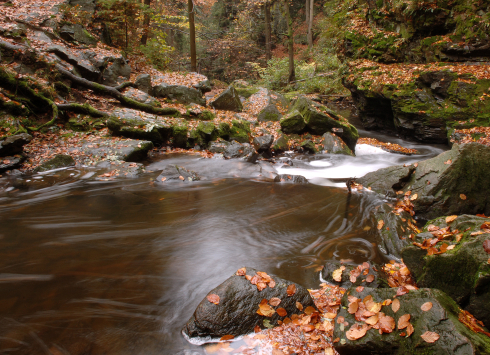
462	272
269	114
442	318
228	100
179	93
58	162
129	150
308	146
179	135
281	144
204	133
293	122
353	275
141	96
334	145
238	131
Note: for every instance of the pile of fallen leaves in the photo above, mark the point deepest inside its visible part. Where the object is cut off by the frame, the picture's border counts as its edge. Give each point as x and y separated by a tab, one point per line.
476	134
389	147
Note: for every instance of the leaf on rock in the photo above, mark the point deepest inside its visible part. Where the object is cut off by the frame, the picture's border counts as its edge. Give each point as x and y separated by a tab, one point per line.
282	312
360	288
181	177
241	272
309	310
227	337
337	274
274	301
426	306
410	330
257	329
353	307
373	319
450	219
401	291
357	331
395	306
299	306
265	310
414	197
381	223
404	321
486	246
213	298
386	324
370	278
430	337
291	290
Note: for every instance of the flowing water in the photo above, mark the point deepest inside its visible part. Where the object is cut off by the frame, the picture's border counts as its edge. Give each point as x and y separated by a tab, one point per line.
118	267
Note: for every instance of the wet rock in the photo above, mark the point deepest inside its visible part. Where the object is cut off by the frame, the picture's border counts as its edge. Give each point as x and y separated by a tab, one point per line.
116	73
143	83
129	150
9	163
59	161
308	146
238	131
295	179
141	96
463	272
269	113
177	173
293	122
228	100
353	275
442	318
77	33
454	182
239	300
117	169
263	143
180	93
243	151
13	145
281	144
335	145
204	133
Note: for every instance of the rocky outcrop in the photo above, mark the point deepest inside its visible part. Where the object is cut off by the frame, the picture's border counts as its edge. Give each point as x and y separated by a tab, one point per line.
263	143
128	150
228	100
141	96
462	271
237	306
180	93
76	33
143	83
388	332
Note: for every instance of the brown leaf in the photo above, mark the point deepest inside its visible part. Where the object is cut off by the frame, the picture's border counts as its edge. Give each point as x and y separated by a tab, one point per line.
410	330
227	337
299	306
272	283
381	223
261	286
486	246
309	310
395	306
370	278
282	312
414	197
449	219
403	321
357	331
359	288
401	291
353	307
213	298
265	310
426	306
373	319
291	290
181	177
463	197
257	329
308	328
386	324
241	272
430	337
274	301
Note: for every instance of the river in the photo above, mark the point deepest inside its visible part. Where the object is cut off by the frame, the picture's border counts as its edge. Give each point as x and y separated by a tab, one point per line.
118	267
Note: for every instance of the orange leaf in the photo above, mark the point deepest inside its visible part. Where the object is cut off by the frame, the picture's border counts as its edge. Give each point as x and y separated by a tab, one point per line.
181	177
386	324
463	197
381	223
359	288
414	197
410	330
241	272
486	246
426	306
282	312
395	306
299	306
430	337
291	290
370	278
265	310
357	331
274	301
257	329
449	219
227	337
404	321
213	298
309	310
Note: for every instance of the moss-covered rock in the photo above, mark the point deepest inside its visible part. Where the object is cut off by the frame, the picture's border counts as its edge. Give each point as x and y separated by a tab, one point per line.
462	272
353	275
442	318
335	145
180	93
59	161
281	144
293	122
269	114
308	146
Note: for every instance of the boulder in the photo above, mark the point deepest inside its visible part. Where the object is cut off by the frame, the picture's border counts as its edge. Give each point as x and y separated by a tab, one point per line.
143	83
454	182
293	122
180	93
453	337
281	144
234	307
228	100
269	113
203	86
129	150
58	162
9	163
263	143
80	61
335	145
13	145
141	96
463	272
177	173
295	179
76	33
204	133
353	275
308	146
116	73
238	131
243	151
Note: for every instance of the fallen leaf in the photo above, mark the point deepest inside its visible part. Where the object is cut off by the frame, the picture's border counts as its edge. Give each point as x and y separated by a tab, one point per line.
486	246
309	310
291	290
353	307
373	319
410	330
213	298
426	306
403	321
414	197
227	337
299	306
257	329
241	272
308	328
449	219
381	223
370	278
265	310
360	288
181	177
395	306
282	312
337	274
401	291
430	337
386	324
274	301
463	197
357	331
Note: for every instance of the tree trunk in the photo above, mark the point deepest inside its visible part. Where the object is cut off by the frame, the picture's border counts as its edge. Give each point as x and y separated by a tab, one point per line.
268	31
292	74
307	12
310	23
192	30
146	22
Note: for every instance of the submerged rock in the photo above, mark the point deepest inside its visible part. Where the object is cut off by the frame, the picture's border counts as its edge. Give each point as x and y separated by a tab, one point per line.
452	336
177	173
129	150
295	179
236	306
228	100
117	169
462	272
9	163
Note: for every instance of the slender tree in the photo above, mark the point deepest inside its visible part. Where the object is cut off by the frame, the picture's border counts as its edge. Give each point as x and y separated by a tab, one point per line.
309	20
192	31
146	22
289	19
268	30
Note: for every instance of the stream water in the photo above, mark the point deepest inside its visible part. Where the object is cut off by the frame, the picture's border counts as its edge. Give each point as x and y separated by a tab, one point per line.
118	267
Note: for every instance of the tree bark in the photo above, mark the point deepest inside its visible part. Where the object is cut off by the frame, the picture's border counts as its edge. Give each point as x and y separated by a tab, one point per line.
146	22
292	73
192	30
268	31
310	23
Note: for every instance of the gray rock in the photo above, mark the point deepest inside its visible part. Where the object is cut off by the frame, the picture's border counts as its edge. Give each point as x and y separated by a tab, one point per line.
129	150
463	272
143	83
228	100
269	113
244	151
80	62
84	5
77	33
335	145
388	180
295	179
180	93
116	169
236	313
293	122
454	337
141	96
13	145
9	163
263	143
203	86
308	146
59	161
177	173
281	144
116	73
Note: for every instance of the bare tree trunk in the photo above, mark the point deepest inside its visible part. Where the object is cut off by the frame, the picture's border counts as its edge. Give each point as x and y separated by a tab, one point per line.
307	12
268	31
146	23
310	23
192	30
292	73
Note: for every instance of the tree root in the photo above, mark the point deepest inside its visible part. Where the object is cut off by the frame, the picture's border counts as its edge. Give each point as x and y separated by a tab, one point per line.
85	109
